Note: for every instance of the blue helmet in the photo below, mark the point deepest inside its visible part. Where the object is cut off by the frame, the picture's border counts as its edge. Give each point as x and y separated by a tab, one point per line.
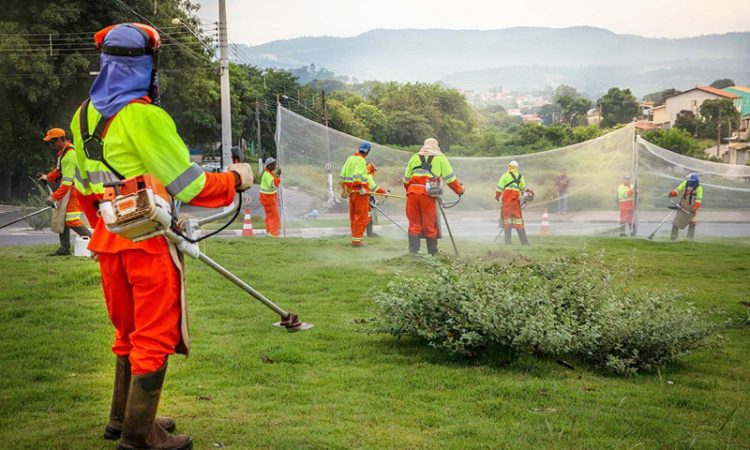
692	180
365	147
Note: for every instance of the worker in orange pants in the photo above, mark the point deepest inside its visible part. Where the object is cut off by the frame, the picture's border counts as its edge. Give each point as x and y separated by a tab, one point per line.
425	173
355	187
269	185
142	281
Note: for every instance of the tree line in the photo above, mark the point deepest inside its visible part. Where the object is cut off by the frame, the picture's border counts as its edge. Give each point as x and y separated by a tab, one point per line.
47	58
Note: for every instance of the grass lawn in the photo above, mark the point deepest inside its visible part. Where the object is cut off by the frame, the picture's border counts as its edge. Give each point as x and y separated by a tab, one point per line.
250	385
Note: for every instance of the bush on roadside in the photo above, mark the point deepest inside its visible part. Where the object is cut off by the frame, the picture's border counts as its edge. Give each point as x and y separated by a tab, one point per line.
35	202
568	306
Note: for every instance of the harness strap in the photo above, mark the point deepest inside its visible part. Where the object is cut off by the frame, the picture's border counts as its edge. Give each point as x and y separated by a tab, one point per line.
93	144
515	180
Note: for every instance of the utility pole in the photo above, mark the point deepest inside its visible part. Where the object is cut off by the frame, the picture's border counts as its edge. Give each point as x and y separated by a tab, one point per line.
226	106
257	136
329	164
718	133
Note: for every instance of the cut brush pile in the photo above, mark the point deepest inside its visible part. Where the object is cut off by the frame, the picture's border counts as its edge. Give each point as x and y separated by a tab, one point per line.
570	306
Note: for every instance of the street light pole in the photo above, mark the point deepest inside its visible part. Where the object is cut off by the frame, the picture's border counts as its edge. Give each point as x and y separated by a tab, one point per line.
226	107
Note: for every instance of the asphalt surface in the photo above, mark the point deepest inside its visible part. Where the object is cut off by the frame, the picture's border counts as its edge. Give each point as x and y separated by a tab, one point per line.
476	226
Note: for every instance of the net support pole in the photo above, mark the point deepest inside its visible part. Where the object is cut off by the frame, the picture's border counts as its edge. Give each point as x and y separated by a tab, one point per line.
257	136
635	181
329	164
281	159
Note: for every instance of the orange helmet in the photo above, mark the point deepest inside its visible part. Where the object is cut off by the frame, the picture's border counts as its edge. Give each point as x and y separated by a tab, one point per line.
153	41
371	168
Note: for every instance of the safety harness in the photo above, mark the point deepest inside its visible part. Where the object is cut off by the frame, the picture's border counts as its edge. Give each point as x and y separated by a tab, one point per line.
93	144
516	181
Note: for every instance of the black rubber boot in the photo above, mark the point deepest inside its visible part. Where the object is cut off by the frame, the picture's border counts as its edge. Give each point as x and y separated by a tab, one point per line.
64	249
413	244
139	430
507	232
119	399
522	236
622	229
368	230
691	232
432	246
675	232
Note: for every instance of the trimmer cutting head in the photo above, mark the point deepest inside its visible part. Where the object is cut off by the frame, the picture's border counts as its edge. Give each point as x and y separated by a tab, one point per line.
292	323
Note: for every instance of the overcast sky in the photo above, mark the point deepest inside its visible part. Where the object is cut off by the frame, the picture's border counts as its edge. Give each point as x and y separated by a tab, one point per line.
255	22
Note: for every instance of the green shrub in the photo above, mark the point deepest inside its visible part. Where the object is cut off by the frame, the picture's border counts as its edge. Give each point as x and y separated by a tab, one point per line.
569	306
35	202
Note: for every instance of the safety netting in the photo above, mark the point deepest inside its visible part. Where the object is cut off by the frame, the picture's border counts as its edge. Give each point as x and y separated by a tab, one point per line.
312	155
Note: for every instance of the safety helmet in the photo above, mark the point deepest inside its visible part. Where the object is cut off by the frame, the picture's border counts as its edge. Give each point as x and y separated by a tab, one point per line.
153	41
53	134
692	180
626	177
513	163
371	168
365	147
270	160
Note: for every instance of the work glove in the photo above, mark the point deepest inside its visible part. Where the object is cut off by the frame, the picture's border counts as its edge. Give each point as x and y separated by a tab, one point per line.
672	194
462	191
50	201
278	172
246	176
362	191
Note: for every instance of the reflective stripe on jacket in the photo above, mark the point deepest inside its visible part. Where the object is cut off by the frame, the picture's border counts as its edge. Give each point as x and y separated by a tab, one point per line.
155	148
510	182
698	192
354	172
625	193
415	177
269	182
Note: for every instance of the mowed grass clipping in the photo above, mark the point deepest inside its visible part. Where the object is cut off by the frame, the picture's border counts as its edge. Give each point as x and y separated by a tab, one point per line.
250	385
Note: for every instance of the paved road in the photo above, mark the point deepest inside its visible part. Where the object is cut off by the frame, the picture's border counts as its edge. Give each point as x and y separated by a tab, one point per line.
479	226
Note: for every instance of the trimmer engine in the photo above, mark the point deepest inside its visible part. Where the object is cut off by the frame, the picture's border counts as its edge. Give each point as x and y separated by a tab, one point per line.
137	208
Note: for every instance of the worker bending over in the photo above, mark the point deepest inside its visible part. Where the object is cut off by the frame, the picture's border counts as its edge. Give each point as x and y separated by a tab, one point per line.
690	197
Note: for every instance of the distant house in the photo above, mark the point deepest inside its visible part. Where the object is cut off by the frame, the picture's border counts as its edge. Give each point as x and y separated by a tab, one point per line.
659	116
691	100
532	118
744	92
593	116
735	153
646	108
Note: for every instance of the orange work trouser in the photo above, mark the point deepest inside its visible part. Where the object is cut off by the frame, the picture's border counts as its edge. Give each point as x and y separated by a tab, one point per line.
626	212
142	291
512	210
359	209
420	210
272	214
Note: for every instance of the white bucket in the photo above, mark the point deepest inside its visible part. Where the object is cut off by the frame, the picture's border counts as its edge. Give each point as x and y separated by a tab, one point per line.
80	246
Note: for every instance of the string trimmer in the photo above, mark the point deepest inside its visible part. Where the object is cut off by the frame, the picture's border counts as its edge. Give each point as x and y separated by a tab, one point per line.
139	208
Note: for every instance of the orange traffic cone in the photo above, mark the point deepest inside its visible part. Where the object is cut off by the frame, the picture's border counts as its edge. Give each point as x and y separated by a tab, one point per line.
247	226
544	226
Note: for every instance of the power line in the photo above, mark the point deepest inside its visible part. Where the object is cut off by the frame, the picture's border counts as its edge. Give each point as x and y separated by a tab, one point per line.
188	50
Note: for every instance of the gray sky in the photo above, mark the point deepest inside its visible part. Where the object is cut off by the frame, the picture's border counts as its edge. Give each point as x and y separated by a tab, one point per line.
255	22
